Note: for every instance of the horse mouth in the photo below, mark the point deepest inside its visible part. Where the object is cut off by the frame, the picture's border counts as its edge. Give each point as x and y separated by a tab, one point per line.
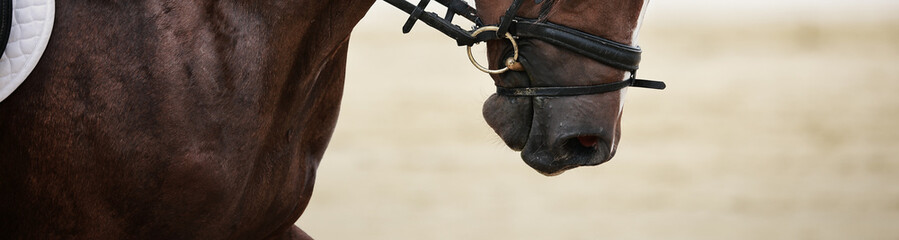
573	152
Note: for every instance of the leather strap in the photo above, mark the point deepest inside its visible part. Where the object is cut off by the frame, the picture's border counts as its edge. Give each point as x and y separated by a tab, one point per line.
414	15
506	20
606	51
462	9
643	83
462	36
577	90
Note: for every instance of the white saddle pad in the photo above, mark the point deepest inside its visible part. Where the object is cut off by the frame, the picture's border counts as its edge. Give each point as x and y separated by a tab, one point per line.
32	22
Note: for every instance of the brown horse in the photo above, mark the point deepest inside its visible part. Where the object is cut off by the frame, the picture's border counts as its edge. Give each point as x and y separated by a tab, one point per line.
206	119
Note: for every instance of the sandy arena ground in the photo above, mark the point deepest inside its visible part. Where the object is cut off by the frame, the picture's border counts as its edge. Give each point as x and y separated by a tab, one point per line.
771	128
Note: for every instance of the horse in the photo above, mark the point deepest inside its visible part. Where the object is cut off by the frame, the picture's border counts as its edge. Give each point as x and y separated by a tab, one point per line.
207	119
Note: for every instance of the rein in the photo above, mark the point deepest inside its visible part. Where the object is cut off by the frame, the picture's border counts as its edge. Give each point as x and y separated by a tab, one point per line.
614	54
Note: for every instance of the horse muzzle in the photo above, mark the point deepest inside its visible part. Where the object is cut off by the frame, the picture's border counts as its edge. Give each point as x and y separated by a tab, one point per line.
564	134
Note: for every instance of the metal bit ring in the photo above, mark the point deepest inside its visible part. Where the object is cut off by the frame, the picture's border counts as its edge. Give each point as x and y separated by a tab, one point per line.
484	69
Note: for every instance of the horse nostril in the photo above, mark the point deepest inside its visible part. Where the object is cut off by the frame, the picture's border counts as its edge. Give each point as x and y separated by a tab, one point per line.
588	141
581	146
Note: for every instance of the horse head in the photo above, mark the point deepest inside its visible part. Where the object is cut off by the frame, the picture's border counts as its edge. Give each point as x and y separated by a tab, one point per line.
559	132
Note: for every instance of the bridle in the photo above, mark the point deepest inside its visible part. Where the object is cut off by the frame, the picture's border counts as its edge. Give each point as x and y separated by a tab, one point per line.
614	54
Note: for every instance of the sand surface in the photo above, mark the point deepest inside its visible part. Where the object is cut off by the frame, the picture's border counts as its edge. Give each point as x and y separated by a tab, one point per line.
769	129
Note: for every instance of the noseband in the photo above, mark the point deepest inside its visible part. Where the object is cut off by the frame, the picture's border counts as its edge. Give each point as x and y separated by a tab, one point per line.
614	54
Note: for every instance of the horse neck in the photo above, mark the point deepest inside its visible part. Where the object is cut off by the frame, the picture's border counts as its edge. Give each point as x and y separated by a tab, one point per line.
313	28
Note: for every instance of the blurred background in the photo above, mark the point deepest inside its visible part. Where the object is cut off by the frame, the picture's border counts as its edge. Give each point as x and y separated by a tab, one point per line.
780	121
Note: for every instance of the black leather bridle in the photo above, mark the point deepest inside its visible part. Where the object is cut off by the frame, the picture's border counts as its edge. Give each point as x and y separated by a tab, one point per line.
614	54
